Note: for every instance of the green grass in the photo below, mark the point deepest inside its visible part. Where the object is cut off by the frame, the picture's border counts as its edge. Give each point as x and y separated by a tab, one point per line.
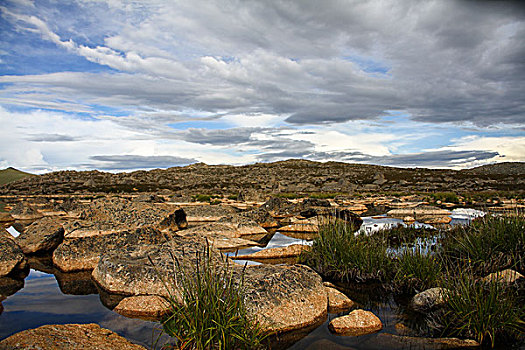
491	313
448	197
416	271
325	195
289	195
339	254
205	197
488	245
212	314
10	174
488	312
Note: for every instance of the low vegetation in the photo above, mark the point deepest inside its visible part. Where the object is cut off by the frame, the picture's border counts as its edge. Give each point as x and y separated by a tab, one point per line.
416	270
490	312
339	254
487	311
205	197
448	197
487	245
10	174
212	314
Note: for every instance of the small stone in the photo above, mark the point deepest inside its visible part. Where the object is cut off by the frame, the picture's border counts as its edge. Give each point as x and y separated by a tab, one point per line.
68	336
402	329
507	276
429	299
151	307
337	301
358	322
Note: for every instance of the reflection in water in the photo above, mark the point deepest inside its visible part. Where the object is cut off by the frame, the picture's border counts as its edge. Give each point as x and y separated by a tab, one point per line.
74	283
41	302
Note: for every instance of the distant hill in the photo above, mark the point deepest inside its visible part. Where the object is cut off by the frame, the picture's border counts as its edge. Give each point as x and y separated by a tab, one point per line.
290	176
507	168
11	174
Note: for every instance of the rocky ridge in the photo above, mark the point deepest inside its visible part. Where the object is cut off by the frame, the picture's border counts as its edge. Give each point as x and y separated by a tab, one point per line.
290	176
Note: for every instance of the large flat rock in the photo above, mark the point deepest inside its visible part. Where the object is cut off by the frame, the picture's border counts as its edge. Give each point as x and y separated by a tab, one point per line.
113	214
140	269
83	253
67	337
285	298
278	255
41	236
246	229
281	298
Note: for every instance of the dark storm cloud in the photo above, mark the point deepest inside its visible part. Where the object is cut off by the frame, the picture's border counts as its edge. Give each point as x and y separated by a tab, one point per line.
318	62
130	161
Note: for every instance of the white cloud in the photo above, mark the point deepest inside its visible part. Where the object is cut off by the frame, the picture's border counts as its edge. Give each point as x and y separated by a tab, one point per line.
301	73
512	148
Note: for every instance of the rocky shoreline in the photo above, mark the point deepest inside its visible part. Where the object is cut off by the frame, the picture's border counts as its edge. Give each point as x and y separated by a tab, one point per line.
125	245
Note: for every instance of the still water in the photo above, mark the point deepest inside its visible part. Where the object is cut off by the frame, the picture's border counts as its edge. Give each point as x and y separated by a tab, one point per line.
48	296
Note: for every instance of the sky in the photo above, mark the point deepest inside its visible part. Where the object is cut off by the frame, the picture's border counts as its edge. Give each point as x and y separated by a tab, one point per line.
125	85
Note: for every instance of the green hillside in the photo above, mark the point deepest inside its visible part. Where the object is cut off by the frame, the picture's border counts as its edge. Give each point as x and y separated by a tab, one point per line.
11	174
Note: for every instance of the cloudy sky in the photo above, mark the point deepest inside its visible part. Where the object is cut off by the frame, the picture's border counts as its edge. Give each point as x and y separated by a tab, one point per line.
122	85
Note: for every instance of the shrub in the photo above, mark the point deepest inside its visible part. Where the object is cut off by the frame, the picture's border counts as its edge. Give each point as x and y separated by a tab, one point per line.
339	254
289	195
326	195
448	197
212	314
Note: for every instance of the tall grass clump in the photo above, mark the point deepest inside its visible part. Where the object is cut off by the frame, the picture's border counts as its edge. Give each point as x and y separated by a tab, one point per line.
212	313
416	270
488	245
339	254
487	311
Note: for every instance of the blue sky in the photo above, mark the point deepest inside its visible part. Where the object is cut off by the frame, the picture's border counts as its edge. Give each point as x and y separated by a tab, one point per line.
123	85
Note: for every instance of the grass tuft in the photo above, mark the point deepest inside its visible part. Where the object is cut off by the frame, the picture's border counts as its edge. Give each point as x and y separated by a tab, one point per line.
212	314
339	254
487	245
417	271
484	311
